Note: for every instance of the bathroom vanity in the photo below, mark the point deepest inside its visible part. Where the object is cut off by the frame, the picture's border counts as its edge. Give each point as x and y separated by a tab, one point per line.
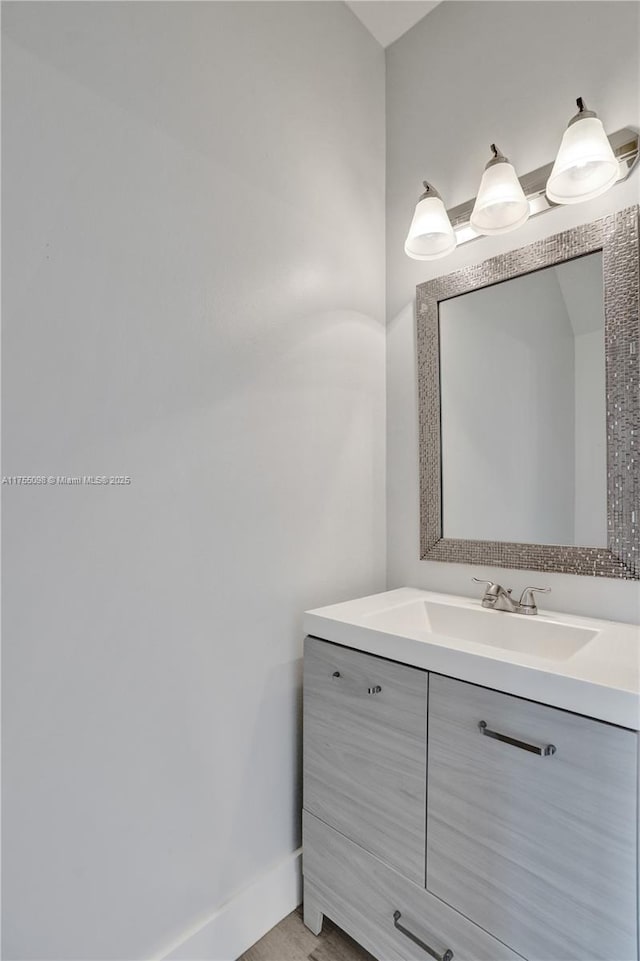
471	780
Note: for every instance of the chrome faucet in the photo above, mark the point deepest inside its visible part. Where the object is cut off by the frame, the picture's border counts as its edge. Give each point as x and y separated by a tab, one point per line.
496	598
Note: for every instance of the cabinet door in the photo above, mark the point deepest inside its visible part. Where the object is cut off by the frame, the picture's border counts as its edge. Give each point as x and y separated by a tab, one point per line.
539	849
365	722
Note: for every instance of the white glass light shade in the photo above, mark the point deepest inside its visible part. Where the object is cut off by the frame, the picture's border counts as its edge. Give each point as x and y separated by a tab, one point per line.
430	234
501	204
585	166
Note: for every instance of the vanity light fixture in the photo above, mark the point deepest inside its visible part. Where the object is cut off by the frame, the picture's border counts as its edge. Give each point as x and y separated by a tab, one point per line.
586	165
501	204
430	234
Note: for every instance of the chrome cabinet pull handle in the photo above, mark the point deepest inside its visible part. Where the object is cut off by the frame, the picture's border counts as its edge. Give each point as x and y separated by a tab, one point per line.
447	955
374	689
545	751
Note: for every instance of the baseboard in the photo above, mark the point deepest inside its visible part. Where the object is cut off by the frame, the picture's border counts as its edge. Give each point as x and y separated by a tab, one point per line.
245	917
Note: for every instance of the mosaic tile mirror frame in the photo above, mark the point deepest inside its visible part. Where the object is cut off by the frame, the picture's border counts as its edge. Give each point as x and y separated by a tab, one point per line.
617	237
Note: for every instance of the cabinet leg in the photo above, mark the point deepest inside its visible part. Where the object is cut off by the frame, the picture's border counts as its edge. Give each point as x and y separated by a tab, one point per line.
312	915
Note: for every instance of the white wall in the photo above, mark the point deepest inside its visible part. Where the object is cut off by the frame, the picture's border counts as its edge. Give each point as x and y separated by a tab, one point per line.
507	413
590	440
467	75
581	283
193	295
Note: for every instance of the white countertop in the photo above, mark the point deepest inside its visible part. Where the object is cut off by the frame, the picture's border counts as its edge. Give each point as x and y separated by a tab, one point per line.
601	680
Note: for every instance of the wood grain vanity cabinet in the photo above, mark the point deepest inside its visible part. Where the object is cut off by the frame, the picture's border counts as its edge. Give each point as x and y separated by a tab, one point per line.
365	724
446	820
538	848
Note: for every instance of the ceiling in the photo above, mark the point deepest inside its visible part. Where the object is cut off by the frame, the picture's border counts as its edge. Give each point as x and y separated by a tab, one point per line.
389	19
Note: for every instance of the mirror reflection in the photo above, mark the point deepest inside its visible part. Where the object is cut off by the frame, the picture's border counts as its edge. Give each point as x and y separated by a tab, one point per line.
523	429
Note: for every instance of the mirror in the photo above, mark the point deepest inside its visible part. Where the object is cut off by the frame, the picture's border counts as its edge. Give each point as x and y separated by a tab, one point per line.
529	408
522	402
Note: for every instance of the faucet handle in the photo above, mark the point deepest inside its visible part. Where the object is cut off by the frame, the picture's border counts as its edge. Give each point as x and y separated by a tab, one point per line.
490	584
492	588
527	603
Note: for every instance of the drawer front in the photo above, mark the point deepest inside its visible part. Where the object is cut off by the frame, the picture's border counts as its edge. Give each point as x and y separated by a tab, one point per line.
539	850
365	724
362	895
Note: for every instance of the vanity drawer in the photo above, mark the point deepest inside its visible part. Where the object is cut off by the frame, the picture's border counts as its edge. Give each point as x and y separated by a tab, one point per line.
362	895
538	849
365	731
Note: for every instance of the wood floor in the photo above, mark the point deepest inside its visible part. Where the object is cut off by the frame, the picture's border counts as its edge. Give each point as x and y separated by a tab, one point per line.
291	941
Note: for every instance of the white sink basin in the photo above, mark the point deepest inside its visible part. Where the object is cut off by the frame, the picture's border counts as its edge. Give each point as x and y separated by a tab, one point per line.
577	663
538	635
